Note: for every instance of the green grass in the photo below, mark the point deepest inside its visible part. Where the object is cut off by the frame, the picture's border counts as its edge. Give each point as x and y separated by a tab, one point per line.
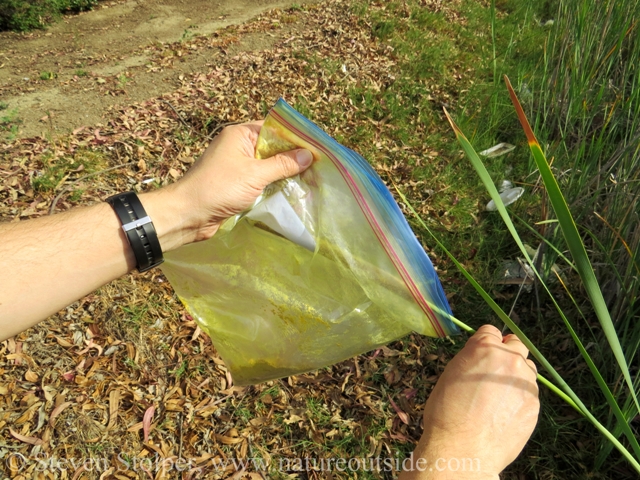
180	370
9	117
130	362
76	195
56	171
592	127
9	120
122	81
186	35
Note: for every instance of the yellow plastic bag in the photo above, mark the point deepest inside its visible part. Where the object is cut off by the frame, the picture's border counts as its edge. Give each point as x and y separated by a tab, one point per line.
322	268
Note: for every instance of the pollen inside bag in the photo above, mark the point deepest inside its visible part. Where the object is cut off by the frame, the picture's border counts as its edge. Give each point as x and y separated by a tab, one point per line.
322	268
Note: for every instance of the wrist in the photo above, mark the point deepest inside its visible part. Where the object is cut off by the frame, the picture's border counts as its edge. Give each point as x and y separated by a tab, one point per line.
175	222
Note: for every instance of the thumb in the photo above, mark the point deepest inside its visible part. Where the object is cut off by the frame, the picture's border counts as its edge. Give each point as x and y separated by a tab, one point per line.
287	164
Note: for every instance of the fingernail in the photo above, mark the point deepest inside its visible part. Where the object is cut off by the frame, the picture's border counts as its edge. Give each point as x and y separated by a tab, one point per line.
304	158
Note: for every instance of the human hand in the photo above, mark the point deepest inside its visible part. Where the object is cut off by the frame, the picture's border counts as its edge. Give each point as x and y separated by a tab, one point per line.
484	406
225	181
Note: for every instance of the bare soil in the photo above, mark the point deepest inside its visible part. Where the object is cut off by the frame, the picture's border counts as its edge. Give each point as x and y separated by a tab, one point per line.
68	76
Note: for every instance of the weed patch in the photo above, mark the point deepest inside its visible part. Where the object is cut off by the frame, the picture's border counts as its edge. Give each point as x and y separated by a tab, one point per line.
24	15
9	121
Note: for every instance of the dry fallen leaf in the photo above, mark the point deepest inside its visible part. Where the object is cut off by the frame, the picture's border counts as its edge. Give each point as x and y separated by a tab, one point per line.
25	439
114	405
402	415
57	411
146	422
229	440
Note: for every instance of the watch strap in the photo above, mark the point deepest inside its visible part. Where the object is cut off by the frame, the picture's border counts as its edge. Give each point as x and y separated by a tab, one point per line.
139	230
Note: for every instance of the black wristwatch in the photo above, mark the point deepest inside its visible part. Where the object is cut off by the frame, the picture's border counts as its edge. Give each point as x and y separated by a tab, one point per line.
139	229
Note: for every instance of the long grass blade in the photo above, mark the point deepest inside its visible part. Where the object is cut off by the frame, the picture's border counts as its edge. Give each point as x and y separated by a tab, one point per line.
621	240
575	244
542	238
551	386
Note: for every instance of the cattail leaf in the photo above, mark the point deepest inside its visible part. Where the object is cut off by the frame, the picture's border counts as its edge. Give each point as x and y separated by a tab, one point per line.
575	244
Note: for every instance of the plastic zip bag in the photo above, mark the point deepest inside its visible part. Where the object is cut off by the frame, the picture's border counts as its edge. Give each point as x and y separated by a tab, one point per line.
323	267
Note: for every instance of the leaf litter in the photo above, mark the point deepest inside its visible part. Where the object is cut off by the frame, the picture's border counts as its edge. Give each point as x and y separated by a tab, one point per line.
125	373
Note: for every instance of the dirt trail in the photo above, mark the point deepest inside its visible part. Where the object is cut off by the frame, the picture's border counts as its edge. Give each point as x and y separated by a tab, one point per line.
56	80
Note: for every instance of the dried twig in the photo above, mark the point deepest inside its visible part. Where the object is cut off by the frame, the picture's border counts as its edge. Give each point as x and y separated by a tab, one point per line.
184	122
220	127
190	127
180	420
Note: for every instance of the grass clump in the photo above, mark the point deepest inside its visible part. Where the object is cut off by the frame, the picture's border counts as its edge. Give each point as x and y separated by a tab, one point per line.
584	100
589	118
584	269
55	171
25	15
9	120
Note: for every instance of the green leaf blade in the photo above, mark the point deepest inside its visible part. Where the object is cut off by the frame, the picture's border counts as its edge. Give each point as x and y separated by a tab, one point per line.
575	244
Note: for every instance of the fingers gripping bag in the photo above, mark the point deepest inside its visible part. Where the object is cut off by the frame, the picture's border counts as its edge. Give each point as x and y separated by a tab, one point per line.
323	267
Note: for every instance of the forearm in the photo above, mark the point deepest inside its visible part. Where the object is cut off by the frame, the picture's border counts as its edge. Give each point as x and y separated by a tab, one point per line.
50	262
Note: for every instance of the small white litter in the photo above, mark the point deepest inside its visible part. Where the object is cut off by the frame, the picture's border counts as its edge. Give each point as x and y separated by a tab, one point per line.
508	196
506	185
497	150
